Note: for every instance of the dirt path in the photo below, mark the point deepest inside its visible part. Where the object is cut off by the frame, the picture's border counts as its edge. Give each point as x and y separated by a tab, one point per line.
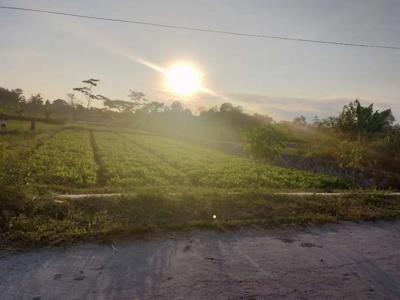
344	261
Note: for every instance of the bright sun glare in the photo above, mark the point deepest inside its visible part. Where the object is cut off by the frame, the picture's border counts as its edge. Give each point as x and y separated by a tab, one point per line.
183	79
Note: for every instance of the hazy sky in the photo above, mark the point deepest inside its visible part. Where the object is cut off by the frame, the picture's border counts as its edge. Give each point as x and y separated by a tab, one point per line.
52	54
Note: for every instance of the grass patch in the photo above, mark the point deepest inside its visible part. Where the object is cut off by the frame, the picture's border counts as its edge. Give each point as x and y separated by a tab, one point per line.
38	222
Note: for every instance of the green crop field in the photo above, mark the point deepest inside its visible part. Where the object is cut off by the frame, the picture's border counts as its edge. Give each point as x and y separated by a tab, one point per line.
18	138
165	183
126	164
82	158
208	167
66	158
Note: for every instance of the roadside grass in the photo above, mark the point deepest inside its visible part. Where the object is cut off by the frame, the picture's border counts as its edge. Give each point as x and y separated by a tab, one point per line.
49	222
53	189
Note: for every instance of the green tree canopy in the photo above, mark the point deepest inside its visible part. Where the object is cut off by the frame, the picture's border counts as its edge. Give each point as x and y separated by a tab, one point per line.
264	143
120	105
363	120
10	97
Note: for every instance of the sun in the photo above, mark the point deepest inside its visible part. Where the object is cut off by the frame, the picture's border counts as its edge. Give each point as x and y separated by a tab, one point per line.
183	79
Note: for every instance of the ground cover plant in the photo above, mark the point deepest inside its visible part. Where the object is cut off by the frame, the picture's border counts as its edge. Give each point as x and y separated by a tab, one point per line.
209	167
18	139
66	158
127	165
80	158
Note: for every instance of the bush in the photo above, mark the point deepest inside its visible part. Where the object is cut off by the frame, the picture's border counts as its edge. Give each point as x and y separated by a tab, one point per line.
264	143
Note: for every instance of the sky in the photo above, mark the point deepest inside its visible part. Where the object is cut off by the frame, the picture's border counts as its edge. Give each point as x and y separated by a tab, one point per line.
284	79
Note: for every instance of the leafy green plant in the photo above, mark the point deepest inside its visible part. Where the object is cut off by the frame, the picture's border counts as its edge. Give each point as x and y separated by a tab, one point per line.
352	156
127	164
207	167
66	159
264	143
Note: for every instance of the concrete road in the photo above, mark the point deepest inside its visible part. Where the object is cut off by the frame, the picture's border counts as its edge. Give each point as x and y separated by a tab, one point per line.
342	261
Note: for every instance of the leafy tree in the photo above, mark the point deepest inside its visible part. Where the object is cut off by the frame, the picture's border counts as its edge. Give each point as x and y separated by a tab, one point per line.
363	120
137	101
316	122
228	121
327	123
176	107
35	102
227	107
264	143
137	98
88	90
60	105
300	121
10	97
264	119
11	100
230	108
121	106
153	107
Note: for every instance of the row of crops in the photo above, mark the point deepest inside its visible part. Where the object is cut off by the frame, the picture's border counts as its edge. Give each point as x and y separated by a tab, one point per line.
18	139
65	159
134	160
128	165
208	167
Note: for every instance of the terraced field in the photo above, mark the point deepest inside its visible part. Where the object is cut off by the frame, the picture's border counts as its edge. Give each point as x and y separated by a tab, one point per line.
124	161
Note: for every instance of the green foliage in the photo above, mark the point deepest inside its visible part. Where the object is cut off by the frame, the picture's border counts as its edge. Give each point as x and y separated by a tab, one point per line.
300	121
351	155
127	161
18	140
46	222
137	98
361	120
87	90
10	98
67	158
206	167
127	165
137	101
264	143
15	193
392	143
120	105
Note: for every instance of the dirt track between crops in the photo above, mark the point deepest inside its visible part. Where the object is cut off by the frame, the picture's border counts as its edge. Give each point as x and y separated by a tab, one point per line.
342	261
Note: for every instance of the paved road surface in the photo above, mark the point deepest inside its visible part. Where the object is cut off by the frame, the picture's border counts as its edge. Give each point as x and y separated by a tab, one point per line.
345	261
